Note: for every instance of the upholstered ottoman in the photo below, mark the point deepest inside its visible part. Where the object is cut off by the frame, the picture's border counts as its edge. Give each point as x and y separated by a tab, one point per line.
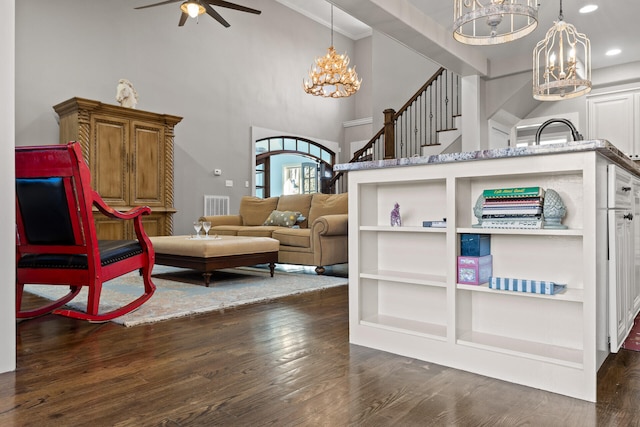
211	254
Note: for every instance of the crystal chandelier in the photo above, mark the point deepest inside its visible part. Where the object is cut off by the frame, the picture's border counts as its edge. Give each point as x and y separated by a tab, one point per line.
499	21
331	76
561	63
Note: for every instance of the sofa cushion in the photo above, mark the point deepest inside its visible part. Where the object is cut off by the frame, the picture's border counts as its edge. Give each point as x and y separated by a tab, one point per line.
328	204
258	231
282	218
225	230
296	203
254	210
297	237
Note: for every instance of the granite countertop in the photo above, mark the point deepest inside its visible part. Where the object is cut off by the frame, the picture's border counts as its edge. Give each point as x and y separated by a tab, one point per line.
600	145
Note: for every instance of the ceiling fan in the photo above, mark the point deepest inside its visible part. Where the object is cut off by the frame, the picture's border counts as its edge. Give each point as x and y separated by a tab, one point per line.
194	8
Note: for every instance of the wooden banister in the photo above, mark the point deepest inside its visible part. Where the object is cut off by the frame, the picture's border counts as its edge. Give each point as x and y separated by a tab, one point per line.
430	110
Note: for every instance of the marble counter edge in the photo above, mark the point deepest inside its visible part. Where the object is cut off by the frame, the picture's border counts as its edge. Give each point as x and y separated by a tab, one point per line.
602	146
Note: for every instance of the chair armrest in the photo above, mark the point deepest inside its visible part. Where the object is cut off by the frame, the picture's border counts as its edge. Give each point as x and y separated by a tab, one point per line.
112	213
222	219
134	214
331	225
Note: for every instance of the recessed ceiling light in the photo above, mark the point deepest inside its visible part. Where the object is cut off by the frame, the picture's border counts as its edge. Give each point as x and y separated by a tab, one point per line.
612	52
588	8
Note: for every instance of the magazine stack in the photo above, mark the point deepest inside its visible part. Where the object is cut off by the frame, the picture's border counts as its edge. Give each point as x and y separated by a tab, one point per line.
513	207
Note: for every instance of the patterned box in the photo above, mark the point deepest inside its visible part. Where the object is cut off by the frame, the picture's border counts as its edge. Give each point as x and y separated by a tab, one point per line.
474	270
523	285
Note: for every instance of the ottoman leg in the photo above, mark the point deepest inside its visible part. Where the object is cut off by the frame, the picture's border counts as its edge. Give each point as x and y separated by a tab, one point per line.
272	267
207	278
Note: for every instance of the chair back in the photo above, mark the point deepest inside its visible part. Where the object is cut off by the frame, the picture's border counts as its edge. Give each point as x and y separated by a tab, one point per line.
53	202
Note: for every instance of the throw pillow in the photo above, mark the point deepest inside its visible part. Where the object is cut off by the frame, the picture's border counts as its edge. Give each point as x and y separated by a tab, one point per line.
255	210
282	218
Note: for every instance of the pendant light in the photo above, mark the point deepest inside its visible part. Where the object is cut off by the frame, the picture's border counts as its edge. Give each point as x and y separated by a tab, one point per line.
494	22
562	63
331	76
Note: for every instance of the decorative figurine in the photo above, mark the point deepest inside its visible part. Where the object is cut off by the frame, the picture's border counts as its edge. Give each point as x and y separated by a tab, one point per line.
477	211
553	210
396	220
126	95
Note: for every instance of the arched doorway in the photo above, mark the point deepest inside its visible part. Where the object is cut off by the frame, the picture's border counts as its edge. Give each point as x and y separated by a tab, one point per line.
290	165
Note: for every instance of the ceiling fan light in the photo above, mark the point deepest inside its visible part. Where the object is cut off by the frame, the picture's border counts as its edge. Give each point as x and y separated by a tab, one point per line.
192	8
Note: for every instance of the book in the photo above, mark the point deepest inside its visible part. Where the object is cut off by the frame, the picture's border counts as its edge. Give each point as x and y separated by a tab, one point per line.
514	192
512	223
512	216
514	201
434	224
512	210
523	285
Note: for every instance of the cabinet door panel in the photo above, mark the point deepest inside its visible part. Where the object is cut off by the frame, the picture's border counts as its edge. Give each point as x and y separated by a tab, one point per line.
611	118
107	159
109	229
154	224
147	147
620	258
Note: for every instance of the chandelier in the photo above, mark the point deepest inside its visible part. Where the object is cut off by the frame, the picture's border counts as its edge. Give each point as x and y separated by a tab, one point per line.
561	63
331	76
499	21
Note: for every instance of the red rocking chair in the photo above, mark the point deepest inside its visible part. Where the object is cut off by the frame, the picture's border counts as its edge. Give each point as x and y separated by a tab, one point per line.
56	241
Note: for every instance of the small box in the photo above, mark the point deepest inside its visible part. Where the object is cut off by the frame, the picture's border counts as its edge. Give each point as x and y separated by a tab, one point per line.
475	244
473	270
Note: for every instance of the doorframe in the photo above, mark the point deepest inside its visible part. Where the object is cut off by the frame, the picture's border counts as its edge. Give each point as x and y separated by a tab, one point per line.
258	133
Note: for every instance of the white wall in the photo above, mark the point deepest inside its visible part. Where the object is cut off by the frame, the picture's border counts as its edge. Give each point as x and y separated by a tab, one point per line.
221	80
398	72
7	179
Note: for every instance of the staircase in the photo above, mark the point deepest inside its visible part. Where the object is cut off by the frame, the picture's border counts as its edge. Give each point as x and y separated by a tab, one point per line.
417	129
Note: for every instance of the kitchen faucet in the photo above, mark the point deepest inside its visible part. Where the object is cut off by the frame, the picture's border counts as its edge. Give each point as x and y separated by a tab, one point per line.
574	132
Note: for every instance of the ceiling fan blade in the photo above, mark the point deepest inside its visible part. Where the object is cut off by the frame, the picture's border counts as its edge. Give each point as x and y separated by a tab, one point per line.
215	15
158	4
228	5
183	19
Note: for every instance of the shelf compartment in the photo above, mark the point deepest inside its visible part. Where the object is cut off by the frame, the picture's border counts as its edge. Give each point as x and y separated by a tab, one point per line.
571	294
407	307
406	277
405	326
550	257
419	200
568	184
530	324
417	253
558	355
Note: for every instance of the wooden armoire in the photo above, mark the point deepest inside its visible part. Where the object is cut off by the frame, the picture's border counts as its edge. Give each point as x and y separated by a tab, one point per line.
130	154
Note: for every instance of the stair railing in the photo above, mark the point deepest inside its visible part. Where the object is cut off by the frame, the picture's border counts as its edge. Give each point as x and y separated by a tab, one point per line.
432	109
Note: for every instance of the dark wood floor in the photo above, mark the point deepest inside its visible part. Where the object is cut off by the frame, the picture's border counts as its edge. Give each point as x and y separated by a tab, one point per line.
284	363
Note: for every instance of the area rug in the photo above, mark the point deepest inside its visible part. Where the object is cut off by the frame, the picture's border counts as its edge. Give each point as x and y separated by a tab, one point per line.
181	292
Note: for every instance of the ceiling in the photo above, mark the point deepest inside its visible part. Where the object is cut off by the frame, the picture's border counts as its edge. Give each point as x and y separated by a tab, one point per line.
426	26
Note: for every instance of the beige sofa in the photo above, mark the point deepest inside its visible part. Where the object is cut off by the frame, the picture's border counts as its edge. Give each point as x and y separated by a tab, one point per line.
318	238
